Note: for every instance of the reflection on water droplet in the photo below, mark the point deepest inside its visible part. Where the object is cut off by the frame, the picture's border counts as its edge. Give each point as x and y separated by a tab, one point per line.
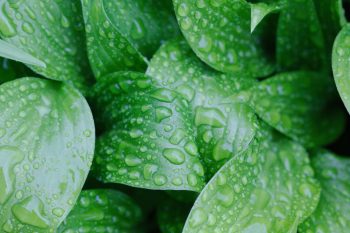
138	29
162	113
209	116
31	211
58	212
28	28
174	156
198	217
7	27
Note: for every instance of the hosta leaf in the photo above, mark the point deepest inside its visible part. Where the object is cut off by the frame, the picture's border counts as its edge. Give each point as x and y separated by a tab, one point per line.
223	127
332	213
300	43
219	32
10	70
171	216
102	211
300	105
122	34
340	64
267	188
46	149
151	143
9	51
51	31
260	10
332	17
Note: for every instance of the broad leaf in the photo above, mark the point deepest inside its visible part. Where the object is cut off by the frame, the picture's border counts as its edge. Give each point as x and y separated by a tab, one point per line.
332	214
341	65
51	31
300	43
102	211
223	126
219	32
171	216
9	51
46	149
122	34
151	141
300	105
267	188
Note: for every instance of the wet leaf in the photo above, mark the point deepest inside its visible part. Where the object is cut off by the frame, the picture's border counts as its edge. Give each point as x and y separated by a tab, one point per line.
121	35
46	148
267	188
33	27
102	211
332	213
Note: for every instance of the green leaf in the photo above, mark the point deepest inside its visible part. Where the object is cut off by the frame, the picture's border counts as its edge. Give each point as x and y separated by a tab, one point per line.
140	149
260	10
267	188
122	34
12	52
300	105
171	216
46	149
219	32
102	211
332	213
51	31
300	42
223	126
340	65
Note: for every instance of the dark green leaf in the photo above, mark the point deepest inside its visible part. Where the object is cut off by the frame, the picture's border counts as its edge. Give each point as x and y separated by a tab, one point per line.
219	32
300	43
122	34
51	31
300	105
332	214
10	70
341	65
267	188
46	148
102	211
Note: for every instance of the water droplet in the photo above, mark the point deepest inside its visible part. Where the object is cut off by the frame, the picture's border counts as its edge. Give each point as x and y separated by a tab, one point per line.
174	156
198	217
149	170
225	196
222	150
9	157
191	148
7	227
209	116
164	95
200	3
64	22
177	136
162	113
159	179
177	181
186	91
307	190
192	180
7	27
28	28
132	160
84	201
138	29
183	9
31	211
205	43
58	212
87	133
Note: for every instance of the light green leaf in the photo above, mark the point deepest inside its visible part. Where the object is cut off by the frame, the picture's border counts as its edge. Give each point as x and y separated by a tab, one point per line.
171	216
300	42
219	32
223	126
9	51
300	105
51	31
46	148
102	211
332	214
150	143
121	35
341	65
267	188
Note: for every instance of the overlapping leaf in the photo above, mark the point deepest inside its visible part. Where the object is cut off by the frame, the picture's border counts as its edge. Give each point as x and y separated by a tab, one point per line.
10	70
220	34
332	213
100	211
46	148
122	34
341	64
300	42
300	105
51	31
268	188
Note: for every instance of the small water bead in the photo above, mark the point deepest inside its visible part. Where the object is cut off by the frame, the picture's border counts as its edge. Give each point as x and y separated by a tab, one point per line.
198	217
177	181
58	212
138	29
159	179
65	22
174	156
205	43
149	170
192	180
132	160
28	28
177	136
163	113
225	196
